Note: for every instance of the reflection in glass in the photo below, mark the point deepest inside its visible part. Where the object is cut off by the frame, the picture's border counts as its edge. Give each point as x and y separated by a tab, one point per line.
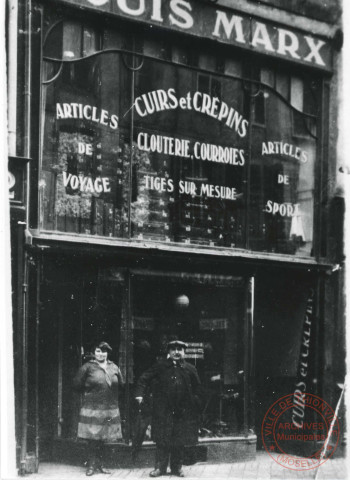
211	323
84	304
84	183
190	174
170	160
282	181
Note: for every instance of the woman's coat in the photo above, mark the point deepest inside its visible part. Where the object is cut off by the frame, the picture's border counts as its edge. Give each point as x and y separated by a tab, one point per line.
99	415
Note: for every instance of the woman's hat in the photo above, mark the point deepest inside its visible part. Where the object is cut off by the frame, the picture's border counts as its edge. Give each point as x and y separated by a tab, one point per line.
177	343
104	346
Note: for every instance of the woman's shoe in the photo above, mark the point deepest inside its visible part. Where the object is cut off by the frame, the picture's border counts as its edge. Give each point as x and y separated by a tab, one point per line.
90	471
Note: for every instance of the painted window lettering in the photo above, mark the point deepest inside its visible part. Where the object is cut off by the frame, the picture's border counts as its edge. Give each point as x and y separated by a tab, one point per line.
217	153
163	144
284	148
160	100
86	184
86	112
180	147
284	209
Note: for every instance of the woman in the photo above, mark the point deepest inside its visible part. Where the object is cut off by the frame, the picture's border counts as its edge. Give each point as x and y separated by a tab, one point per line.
99	422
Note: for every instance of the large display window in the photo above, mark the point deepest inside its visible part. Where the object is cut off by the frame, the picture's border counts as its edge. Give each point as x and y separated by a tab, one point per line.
208	313
168	146
193	154
138	312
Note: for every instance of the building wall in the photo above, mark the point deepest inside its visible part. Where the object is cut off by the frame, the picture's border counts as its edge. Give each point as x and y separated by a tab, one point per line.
326	11
273	318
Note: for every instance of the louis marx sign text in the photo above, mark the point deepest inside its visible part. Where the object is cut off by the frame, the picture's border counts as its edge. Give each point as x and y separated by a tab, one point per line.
211	21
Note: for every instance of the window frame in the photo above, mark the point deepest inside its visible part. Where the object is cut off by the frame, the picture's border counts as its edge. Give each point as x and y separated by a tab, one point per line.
318	174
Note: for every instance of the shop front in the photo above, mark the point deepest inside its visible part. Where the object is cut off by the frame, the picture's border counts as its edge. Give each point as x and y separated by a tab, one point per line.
138	311
243	324
177	195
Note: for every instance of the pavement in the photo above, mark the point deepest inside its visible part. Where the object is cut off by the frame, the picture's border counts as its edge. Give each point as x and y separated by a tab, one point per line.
263	467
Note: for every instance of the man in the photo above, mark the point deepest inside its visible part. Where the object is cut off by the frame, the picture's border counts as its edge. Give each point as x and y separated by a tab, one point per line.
176	405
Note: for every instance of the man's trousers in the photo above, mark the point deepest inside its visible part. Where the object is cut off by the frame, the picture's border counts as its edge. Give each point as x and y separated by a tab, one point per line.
176	455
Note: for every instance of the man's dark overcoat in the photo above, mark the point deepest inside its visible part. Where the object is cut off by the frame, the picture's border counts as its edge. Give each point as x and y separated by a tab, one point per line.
175	415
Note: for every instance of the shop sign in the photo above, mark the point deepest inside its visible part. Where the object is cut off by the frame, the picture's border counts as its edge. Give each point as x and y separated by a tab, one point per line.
15	179
197	18
195	350
143	323
213	323
303	385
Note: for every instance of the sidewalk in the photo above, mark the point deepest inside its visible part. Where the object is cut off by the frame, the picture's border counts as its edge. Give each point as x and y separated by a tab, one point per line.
264	467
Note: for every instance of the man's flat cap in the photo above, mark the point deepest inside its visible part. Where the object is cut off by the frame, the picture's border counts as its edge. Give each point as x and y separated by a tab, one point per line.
177	343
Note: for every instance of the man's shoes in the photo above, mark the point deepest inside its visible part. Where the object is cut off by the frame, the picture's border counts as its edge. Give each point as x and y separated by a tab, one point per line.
102	469
90	471
178	473
157	473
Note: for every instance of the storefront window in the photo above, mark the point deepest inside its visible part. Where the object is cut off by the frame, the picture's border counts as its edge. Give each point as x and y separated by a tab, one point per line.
84	304
192	158
207	312
95	301
217	154
85	184
282	179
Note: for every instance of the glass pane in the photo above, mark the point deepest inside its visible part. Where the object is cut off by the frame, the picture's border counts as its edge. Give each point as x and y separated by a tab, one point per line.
72	40
297	93
84	304
282	180
267	77
84	184
207	313
190	146
191	157
283	84
233	67
207	62
102	318
258	107
90	41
